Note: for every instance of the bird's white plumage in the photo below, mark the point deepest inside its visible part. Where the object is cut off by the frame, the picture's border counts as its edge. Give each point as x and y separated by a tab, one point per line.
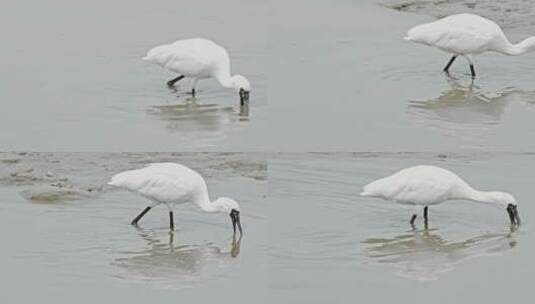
163	183
420	185
171	183
197	58
467	34
430	185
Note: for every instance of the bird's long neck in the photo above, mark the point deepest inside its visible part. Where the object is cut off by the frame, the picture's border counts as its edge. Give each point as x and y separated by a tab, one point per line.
489	197
525	46
223	76
202	200
225	79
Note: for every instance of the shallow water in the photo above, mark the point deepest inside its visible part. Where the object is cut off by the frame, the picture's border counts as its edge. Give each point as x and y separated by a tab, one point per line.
69	83
308	235
353	82
326	241
82	248
339	78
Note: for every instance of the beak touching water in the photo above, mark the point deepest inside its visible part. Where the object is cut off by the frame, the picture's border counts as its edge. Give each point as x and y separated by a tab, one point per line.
512	210
235	216
244	96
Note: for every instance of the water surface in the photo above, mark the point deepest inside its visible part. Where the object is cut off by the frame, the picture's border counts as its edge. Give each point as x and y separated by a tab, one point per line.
326	241
72	78
67	235
339	78
354	84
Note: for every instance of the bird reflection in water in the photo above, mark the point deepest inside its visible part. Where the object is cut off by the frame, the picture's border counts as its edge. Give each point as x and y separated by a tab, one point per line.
425	254
461	104
191	116
465	110
169	265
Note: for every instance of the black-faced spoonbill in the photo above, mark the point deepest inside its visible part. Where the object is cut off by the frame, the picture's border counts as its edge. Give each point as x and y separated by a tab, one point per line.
170	184
466	35
199	58
423	186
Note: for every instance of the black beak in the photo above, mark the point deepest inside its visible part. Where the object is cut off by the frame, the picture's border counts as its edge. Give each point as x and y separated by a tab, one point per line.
512	210
244	96
235	216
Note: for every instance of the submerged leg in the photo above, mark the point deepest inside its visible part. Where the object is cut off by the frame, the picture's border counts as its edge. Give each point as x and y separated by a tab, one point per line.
447	67
193	85
172	82
139	216
425	216
171	220
413	218
470	60
473	71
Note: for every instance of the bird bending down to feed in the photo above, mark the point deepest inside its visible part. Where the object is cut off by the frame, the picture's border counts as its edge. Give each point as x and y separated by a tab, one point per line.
466	35
170	184
199	59
423	186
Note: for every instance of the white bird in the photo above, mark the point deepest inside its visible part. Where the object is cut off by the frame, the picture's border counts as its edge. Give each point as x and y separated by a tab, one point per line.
170	184
199	58
429	185
466	35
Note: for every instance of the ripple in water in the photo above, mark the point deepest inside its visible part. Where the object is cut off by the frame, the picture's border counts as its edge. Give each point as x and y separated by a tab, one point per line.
426	254
203	123
171	266
465	111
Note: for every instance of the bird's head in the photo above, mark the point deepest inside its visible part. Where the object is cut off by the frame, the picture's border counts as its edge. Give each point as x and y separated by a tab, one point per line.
507	200
230	207
242	86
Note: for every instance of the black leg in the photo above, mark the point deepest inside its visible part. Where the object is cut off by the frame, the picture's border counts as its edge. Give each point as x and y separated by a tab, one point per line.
425	217
172	82
473	71
193	92
171	220
447	67
139	216
413	218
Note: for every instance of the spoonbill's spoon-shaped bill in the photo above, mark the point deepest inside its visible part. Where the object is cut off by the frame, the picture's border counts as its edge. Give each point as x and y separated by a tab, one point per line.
171	184
467	35
423	186
198	59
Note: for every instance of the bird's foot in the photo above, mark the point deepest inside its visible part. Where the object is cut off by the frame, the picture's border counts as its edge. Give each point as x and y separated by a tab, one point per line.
447	73
413	218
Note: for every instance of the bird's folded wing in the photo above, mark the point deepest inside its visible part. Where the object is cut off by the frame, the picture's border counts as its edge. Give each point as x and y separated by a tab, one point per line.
459	40
154	185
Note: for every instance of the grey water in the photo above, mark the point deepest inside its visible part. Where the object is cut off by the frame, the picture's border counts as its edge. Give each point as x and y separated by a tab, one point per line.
354	84
66	234
337	75
328	243
332	76
308	236
72	78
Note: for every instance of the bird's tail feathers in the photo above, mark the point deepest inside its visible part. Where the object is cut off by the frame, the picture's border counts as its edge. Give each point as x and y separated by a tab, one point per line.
365	193
373	189
122	179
